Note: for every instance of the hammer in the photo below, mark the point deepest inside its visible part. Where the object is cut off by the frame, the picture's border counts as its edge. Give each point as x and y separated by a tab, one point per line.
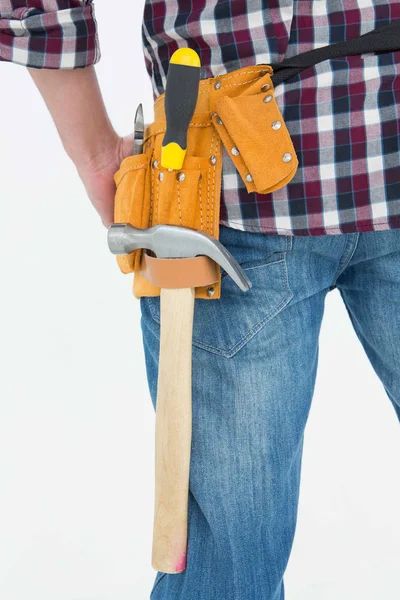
174	391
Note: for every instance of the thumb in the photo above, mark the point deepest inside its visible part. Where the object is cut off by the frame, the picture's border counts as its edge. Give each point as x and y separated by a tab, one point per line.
126	146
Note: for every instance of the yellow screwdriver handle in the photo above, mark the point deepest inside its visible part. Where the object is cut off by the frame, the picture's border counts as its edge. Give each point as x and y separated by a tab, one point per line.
180	102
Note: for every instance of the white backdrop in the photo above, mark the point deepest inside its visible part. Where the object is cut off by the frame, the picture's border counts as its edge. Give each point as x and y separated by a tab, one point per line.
76	420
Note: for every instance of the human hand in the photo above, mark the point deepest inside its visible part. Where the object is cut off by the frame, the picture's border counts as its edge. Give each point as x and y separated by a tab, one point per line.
76	105
98	176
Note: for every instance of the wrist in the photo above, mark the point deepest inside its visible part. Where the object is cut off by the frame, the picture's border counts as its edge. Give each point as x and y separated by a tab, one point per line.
94	154
76	105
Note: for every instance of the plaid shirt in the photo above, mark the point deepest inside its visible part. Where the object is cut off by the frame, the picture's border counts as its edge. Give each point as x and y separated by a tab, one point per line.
50	34
343	114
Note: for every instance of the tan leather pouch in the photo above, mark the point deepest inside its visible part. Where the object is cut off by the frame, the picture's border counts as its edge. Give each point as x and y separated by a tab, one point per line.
230	110
189	197
131	203
255	136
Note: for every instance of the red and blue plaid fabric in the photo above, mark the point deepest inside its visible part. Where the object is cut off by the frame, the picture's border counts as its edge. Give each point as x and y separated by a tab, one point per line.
50	34
343	114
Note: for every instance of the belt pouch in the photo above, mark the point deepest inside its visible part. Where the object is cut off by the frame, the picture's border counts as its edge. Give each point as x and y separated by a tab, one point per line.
148	194
255	136
237	110
131	205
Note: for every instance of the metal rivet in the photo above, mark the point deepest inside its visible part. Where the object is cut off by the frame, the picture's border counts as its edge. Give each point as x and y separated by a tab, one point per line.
213	160
220	122
217	85
181	177
287	157
265	87
268	98
249	178
262	73
235	151
161	176
155	164
210	292
214	114
276	125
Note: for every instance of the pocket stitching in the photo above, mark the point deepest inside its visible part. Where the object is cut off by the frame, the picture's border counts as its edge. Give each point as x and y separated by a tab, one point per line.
272	313
128	170
261	265
288	295
243	341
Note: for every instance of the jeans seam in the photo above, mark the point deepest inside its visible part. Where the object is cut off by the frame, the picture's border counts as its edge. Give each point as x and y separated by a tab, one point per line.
243	341
157	584
270	315
343	265
273	312
262	264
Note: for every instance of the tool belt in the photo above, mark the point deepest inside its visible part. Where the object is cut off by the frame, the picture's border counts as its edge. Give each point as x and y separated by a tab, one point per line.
236	111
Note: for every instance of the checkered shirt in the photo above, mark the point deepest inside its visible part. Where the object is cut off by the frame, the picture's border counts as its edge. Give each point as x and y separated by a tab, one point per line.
50	34
343	114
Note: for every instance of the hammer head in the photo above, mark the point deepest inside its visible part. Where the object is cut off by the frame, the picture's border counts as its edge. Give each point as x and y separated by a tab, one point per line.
169	241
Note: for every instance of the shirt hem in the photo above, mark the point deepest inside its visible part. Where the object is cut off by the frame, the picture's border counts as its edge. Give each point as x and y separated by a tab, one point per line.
361	227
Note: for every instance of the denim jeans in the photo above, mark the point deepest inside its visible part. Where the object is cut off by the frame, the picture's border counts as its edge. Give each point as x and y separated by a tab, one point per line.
255	359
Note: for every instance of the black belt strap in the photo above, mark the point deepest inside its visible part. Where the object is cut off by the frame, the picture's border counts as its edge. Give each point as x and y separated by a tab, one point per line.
382	39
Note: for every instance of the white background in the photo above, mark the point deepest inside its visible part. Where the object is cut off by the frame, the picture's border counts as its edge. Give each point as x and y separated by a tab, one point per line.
76	420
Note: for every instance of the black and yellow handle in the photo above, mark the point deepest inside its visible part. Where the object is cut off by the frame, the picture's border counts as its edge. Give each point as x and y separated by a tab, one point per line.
180	102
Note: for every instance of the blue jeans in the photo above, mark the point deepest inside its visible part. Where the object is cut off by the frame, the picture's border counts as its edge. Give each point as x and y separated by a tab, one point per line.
255	359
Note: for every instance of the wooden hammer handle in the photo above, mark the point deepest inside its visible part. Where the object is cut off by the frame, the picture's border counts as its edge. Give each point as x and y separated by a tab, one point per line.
173	431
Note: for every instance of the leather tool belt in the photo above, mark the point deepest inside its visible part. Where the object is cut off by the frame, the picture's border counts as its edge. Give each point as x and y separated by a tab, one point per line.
238	111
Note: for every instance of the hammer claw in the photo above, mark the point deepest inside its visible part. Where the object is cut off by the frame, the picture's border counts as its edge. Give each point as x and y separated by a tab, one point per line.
170	241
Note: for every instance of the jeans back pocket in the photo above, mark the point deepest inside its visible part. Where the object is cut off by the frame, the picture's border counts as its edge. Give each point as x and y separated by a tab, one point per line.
225	326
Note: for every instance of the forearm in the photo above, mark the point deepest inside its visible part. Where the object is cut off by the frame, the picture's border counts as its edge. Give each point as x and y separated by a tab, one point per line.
76	105
57	41
75	102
